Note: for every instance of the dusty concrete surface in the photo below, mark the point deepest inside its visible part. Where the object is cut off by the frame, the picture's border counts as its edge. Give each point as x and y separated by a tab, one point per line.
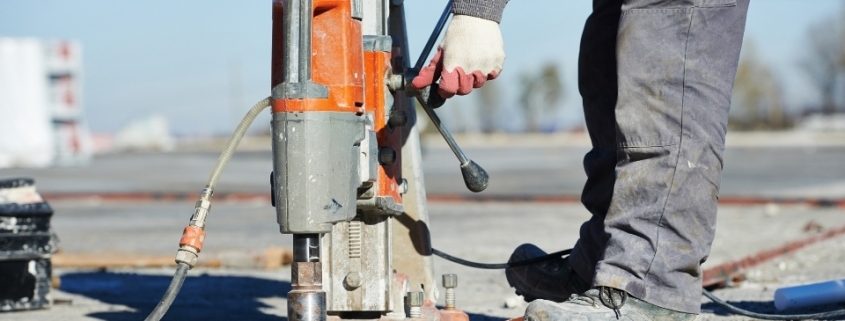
485	232
482	231
817	263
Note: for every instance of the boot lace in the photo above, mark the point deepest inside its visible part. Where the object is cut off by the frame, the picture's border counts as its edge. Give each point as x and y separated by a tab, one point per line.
613	299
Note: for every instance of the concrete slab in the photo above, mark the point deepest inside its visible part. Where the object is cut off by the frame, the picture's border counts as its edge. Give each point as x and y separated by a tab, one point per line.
485	232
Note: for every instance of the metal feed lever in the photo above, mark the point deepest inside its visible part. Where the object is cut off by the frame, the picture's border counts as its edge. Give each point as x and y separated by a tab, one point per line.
475	177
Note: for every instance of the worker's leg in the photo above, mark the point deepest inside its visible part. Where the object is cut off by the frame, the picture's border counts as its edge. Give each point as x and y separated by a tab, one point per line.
597	83
676	65
556	280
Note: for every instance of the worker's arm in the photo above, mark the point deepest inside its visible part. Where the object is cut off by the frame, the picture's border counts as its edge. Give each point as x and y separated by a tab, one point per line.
471	52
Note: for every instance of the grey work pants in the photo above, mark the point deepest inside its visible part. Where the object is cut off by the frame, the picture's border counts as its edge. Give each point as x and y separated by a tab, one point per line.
656	79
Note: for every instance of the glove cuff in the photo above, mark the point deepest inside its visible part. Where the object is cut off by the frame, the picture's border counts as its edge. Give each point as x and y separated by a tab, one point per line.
484	9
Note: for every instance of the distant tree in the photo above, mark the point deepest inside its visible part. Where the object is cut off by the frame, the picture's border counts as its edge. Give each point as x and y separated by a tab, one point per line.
540	95
825	64
757	101
489	101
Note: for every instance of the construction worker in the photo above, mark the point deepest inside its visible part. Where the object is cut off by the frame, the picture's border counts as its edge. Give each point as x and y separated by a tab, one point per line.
656	79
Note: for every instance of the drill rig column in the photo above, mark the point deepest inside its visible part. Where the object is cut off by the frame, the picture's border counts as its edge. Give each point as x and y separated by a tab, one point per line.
318	125
306	300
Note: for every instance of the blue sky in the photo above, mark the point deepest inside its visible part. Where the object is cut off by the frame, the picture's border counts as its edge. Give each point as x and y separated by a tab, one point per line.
178	58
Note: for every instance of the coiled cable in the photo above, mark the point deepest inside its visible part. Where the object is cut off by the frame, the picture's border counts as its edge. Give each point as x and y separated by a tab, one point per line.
708	294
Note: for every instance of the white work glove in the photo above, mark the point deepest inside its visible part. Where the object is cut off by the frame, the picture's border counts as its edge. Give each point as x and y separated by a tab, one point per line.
471	53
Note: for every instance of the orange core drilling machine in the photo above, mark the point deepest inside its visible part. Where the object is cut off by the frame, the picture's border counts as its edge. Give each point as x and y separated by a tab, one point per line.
347	168
342	129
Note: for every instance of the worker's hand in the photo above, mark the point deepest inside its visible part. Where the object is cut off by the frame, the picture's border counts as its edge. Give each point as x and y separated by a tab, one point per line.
471	53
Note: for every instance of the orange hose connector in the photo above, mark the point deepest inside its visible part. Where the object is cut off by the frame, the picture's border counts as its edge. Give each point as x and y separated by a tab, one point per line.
192	236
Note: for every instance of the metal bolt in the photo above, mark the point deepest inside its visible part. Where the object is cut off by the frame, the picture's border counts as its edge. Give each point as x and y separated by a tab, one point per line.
353	280
415	300
403	187
396	82
450	282
397	118
386	155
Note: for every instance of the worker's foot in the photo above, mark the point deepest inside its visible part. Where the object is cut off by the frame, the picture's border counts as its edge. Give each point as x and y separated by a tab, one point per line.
552	280
601	304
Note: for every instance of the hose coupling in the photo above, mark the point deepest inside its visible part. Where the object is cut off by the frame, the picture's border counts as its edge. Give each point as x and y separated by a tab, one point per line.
187	255
190	245
201	209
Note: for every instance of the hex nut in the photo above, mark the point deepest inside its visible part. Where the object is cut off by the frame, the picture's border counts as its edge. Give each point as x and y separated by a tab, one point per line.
450	281
306	274
415	299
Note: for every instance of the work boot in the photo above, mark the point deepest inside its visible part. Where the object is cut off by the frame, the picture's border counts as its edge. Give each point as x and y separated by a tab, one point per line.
552	280
602	304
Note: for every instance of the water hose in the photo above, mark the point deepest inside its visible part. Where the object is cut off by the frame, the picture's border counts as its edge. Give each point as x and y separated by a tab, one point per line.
194	234
234	141
170	294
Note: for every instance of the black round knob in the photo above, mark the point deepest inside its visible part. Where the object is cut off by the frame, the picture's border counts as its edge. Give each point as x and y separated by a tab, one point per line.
397	118
386	155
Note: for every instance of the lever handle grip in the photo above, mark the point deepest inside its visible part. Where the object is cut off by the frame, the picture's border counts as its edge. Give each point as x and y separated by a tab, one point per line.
475	177
430	97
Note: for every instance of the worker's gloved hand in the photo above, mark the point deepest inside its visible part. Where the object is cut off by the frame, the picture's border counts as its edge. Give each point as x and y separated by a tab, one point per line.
471	53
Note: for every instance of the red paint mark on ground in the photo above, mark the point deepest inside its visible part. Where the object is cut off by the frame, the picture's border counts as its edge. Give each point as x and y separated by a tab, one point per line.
723	273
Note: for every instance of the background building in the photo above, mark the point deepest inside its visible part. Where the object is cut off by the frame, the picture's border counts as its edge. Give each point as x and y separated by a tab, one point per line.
41	117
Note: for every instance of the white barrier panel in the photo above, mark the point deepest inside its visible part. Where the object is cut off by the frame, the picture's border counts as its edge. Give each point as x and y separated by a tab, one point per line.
26	133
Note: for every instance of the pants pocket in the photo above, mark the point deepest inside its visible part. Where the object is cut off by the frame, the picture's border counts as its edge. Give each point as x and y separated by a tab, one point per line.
714	3
651	46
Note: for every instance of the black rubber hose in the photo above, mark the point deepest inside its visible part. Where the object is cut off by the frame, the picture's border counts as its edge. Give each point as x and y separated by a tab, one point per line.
170	294
727	306
493	266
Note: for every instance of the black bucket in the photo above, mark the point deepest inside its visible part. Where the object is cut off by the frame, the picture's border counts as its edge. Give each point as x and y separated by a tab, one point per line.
26	244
